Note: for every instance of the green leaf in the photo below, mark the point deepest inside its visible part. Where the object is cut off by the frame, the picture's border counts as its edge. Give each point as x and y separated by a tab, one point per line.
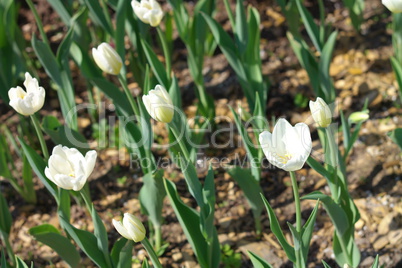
250	187
145	263
19	263
335	211
121	13
86	241
61	134
50	236
98	15
396	66
307	231
152	194
64	47
5	216
310	25
47	59
325	264
193	183
3	262
190	222
64	14
276	229
396	136
122	253
101	235
375	263
297	241
38	165
208	210
257	261
241	31
157	67
323	66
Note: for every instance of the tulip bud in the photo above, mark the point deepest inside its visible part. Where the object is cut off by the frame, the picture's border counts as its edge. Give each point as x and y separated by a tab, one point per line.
159	104
131	227
395	6
244	115
149	12
68	168
359	117
107	59
321	113
29	102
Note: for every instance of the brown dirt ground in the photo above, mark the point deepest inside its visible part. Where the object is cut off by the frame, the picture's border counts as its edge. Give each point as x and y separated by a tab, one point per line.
360	70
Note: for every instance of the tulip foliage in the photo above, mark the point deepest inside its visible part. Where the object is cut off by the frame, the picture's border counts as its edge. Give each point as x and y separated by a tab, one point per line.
120	51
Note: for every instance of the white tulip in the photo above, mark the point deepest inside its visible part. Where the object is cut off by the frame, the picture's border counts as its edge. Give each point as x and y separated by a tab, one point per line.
287	147
107	59
159	104
29	102
68	168
149	12
321	113
131	228
359	117
395	6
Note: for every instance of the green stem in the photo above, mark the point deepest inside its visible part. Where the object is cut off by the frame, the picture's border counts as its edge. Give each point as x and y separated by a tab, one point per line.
128	95
298	215
166	52
151	253
158	237
38	22
333	159
87	199
180	140
40	137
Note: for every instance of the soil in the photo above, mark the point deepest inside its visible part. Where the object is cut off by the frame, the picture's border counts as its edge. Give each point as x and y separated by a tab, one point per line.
360	69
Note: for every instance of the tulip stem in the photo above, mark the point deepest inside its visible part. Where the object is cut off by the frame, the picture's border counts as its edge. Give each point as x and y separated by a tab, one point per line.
333	160
180	140
158	237
151	253
134	106
40	136
166	52
298	214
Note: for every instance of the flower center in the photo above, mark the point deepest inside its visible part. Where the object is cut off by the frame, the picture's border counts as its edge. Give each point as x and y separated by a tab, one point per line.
284	158
72	174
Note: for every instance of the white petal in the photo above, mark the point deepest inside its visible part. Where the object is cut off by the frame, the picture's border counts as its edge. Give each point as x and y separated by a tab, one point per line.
90	159
121	230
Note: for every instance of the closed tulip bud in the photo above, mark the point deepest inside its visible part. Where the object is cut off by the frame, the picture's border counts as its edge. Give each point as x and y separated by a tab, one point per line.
244	115
359	117
395	6
287	147
321	113
130	227
149	12
107	59
159	104
30	101
68	168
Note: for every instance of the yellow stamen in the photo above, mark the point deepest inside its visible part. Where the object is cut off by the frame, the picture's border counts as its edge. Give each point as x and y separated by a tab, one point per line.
285	158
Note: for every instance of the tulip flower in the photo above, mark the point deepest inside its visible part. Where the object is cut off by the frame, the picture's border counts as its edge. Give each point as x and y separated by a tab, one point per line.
130	227
395	6
287	147
149	12
107	59
159	104
30	101
321	113
68	168
359	117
